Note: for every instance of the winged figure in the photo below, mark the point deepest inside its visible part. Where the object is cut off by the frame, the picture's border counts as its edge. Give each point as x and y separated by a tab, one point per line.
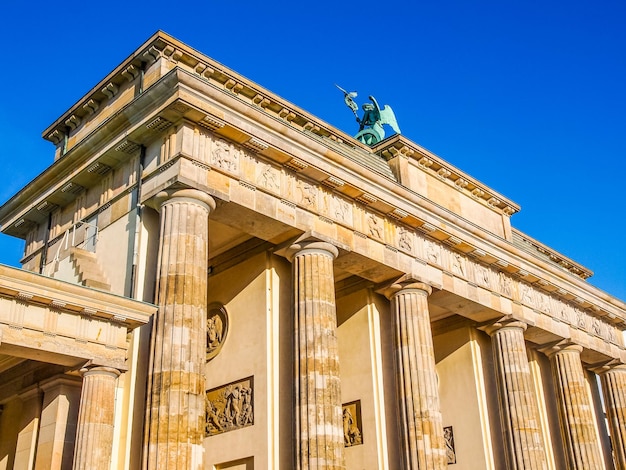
371	129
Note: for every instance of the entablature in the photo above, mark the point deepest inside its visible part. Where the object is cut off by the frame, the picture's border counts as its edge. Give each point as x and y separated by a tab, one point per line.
177	54
31	288
200	93
193	104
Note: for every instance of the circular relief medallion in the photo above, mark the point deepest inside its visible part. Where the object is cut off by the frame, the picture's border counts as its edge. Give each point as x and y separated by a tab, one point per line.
217	329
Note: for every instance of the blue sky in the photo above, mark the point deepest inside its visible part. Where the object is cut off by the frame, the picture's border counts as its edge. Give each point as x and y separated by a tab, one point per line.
527	97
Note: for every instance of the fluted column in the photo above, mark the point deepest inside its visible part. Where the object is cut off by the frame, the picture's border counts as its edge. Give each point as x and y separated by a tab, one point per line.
94	436
423	445
578	426
176	413
319	423
614	390
519	410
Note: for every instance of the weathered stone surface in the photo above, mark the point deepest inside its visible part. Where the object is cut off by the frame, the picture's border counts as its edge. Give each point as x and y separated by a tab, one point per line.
614	390
519	411
94	435
319	422
176	409
423	445
578	427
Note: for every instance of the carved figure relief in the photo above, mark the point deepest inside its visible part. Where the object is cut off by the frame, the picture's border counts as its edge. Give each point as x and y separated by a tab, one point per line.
352	427
433	252
581	319
308	194
506	285
217	328
230	407
225	156
526	294
481	275
458	264
596	326
341	210
543	302
269	178
448	437
404	239
610	334
562	311
375	227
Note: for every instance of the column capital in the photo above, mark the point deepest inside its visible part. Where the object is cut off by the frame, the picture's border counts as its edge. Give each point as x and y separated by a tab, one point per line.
503	323
193	195
564	346
610	366
311	245
407	283
102	370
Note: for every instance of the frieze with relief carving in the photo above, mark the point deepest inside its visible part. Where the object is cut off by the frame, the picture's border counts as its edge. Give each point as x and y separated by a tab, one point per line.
335	207
433	253
516	290
341	210
230	407
307	195
225	155
375	226
268	177
405	240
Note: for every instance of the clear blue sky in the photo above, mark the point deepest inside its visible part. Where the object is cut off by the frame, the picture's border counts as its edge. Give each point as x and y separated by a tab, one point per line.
528	97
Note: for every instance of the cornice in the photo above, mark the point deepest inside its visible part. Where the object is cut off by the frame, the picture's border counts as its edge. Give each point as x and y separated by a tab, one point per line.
105	90
50	188
55	294
527	243
399	145
349	179
389	199
164	46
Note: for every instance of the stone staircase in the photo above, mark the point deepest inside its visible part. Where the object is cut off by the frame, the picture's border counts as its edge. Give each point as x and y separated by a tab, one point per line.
88	269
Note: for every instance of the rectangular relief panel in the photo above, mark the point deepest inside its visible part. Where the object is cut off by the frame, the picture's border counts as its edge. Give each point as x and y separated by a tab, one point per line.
352	425
230	407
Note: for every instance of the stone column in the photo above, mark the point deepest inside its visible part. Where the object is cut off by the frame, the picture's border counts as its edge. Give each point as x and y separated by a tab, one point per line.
614	390
176	411
578	427
519	410
94	436
423	445
319	423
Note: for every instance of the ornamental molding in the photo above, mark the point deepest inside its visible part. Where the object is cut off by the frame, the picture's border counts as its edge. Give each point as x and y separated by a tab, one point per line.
163	46
329	203
439	168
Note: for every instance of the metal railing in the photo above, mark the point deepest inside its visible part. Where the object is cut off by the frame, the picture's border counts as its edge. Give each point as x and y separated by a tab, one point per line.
88	243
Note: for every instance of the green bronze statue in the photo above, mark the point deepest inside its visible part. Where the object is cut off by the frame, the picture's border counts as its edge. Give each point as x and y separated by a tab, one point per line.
371	124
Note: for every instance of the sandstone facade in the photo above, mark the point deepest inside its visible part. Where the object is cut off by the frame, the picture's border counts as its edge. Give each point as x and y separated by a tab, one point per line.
215	279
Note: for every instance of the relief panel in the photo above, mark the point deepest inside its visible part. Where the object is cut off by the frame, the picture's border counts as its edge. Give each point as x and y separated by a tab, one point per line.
268	177
448	436
217	329
230	407
352	425
225	155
